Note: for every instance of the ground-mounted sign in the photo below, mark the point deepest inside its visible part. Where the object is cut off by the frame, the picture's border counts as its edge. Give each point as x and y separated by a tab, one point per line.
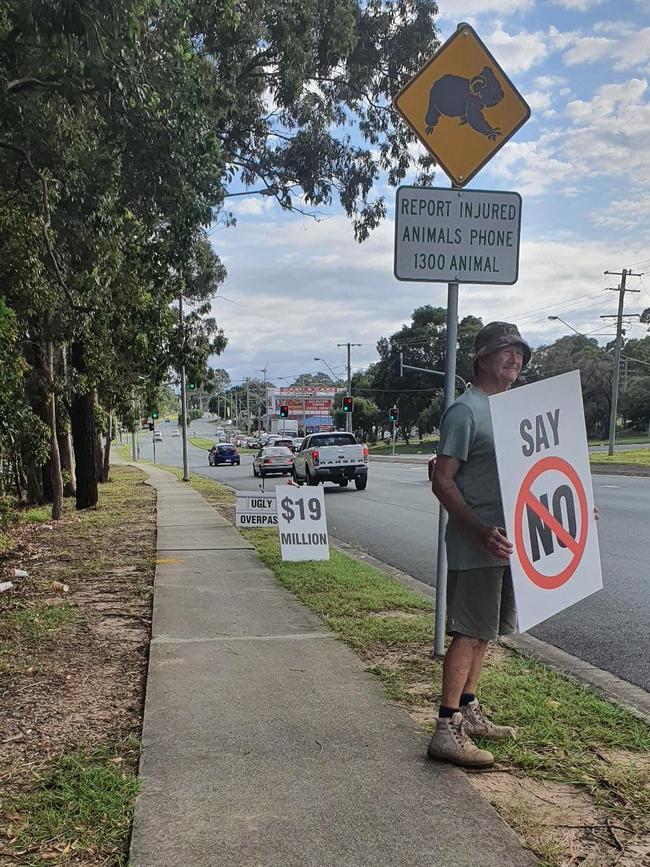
302	523
543	462
253	511
460	236
462	105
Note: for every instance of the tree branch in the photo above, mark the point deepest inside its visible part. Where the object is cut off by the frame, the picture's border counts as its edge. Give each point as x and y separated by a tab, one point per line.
23	83
44	217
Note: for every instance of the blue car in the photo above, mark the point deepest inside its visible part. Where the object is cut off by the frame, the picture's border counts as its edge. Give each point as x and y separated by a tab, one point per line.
223	454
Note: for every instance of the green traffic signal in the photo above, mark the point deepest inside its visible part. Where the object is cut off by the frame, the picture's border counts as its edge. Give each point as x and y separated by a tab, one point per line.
154	414
191	386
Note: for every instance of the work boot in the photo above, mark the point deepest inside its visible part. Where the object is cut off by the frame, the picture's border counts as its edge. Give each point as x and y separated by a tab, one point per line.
451	742
479	726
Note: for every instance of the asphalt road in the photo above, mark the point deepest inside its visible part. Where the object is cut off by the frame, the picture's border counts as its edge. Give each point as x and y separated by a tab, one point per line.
395	520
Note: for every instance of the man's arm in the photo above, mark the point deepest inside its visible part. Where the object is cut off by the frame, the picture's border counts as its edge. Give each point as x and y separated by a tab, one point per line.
446	490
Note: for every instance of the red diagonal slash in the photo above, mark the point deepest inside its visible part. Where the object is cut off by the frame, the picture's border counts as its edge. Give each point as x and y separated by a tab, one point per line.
551	522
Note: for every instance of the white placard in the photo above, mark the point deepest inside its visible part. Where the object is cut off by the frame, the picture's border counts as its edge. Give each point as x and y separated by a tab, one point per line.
548	501
253	511
302	523
457	236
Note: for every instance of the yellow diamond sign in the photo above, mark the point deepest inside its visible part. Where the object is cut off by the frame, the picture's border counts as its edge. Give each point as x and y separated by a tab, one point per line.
462	105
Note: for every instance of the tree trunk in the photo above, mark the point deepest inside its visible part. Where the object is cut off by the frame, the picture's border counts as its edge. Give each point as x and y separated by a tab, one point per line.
55	458
106	464
67	462
82	418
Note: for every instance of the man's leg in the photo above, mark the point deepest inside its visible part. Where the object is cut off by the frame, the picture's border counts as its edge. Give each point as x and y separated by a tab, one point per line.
461	668
477	667
449	741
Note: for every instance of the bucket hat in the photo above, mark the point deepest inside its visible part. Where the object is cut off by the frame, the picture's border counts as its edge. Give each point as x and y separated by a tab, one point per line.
498	335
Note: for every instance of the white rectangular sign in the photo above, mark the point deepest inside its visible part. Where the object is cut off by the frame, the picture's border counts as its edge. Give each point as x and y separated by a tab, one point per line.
302	523
457	236
548	501
255	510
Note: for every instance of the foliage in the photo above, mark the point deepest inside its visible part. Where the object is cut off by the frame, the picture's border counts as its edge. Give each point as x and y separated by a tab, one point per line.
365	417
315	380
423	344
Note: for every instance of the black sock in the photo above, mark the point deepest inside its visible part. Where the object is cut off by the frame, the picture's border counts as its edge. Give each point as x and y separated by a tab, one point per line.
447	712
466	697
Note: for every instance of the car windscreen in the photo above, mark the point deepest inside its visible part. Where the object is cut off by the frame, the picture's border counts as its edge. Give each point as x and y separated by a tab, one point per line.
226	449
322	440
277	450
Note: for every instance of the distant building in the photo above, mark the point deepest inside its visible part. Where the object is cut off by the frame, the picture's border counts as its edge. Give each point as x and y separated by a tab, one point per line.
311	407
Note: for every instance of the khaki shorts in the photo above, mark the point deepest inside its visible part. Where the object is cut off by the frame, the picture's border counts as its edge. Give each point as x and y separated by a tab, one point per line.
481	602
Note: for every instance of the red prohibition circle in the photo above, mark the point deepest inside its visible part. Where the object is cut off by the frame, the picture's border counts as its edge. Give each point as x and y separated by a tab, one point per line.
550	582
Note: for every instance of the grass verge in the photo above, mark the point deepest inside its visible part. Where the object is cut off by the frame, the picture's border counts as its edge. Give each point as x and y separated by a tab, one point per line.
640	457
72	672
79	807
424	448
576	751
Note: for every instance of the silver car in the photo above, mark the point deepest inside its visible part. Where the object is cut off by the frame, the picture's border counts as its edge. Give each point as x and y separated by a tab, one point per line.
273	459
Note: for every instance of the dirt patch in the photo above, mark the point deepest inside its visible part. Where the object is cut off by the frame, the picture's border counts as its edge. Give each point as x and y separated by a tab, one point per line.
561	823
78	684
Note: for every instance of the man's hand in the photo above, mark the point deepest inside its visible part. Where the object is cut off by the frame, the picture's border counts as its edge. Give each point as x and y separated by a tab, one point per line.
496	542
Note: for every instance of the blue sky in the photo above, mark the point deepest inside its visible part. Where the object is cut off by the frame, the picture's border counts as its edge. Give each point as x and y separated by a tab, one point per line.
297	288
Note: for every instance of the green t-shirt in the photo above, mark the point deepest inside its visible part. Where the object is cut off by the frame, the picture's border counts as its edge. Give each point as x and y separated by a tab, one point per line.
466	433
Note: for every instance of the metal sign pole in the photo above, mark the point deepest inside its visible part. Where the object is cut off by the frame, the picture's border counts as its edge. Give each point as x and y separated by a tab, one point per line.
450	394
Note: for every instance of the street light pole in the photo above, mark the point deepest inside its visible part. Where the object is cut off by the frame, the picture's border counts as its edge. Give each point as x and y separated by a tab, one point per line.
618	346
186	460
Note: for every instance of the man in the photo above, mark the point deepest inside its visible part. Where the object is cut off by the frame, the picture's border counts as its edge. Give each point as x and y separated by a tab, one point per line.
480	598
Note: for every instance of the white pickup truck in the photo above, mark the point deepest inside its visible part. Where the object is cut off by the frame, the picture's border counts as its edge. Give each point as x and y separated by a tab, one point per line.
331	457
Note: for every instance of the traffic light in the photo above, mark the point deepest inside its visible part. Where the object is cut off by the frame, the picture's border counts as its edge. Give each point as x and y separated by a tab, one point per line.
348	404
154	414
396	364
191	386
393	413
284	411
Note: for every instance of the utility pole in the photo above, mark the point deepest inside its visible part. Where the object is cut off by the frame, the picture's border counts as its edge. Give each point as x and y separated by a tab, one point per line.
248	407
618	346
348	417
186	460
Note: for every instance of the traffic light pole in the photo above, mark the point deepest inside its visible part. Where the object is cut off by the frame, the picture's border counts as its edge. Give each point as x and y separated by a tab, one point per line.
348	417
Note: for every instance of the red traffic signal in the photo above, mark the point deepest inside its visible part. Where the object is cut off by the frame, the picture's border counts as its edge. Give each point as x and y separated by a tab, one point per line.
284	411
348	404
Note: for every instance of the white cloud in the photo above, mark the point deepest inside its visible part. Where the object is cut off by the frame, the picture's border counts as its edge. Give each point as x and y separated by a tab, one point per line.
460	9
517	52
547	82
627	48
252	206
305	287
579	5
538	100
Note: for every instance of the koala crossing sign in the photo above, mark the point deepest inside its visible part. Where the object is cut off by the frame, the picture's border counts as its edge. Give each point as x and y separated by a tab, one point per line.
462	105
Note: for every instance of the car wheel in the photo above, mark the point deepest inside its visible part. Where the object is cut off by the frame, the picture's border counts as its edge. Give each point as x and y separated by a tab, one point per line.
343	483
262	474
295	477
361	484
311	481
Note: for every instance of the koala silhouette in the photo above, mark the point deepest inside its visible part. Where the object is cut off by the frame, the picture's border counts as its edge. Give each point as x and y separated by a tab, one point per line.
454	96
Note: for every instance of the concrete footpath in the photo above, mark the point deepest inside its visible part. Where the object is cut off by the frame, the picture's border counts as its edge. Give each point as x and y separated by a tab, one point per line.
266	744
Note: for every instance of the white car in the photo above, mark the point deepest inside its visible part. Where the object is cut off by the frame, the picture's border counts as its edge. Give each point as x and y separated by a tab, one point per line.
273	459
157	436
331	457
297	442
176	433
